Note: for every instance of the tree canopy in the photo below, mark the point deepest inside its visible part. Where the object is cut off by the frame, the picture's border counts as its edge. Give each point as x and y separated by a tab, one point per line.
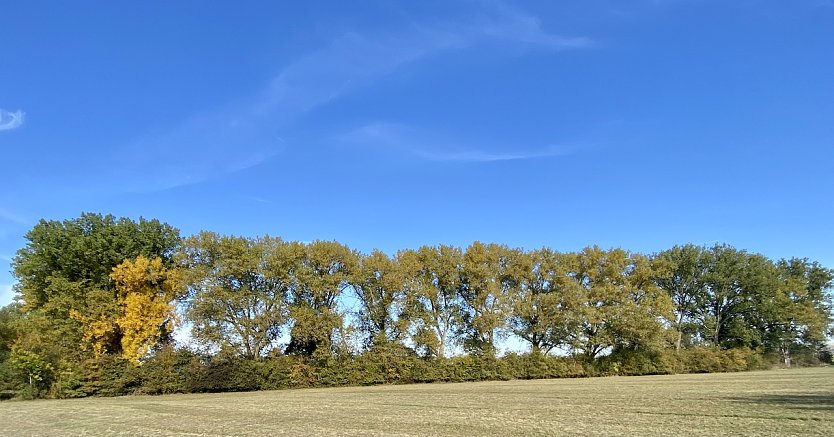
97	293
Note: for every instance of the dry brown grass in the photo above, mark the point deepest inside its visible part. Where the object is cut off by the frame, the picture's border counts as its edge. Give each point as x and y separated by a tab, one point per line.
772	403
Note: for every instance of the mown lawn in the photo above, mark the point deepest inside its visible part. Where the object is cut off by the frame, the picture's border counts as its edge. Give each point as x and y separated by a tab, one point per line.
772	403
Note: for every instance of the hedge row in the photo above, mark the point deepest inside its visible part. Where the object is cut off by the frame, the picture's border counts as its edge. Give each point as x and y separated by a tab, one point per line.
183	371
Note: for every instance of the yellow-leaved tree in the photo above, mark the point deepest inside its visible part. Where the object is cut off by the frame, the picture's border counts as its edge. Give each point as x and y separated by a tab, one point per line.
146	294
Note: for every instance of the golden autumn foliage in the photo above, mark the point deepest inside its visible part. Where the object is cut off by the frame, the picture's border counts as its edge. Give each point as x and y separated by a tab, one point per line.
98	319
146	291
141	313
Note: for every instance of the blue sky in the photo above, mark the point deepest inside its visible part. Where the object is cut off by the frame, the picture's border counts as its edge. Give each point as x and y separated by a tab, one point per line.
381	124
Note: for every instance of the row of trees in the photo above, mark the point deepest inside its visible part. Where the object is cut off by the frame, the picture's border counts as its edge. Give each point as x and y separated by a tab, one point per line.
97	287
245	293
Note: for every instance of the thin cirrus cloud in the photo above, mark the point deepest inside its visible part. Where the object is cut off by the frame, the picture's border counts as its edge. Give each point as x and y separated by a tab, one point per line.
7	215
204	145
10	224
11	120
412	142
507	22
355	60
247	134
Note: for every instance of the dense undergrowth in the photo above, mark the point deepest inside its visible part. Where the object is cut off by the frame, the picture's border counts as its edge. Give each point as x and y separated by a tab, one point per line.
183	371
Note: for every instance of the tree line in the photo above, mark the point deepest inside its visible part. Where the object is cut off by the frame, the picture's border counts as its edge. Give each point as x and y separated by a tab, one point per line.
99	299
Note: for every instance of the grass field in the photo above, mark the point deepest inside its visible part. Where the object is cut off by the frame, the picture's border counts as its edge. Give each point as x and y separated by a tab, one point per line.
772	403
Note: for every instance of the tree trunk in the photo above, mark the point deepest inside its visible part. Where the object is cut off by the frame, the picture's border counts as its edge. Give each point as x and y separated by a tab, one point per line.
441	350
785	349
716	334
680	333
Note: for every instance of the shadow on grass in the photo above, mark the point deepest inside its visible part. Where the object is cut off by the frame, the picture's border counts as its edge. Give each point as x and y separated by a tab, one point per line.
820	402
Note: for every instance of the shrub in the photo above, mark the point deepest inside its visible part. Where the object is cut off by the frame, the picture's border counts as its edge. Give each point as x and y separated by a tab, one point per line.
170	370
108	376
229	373
826	354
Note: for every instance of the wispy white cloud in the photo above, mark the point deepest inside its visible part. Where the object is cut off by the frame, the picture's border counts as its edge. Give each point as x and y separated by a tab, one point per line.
483	156
354	60
506	22
11	120
244	135
432	147
205	146
8	215
259	199
350	62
